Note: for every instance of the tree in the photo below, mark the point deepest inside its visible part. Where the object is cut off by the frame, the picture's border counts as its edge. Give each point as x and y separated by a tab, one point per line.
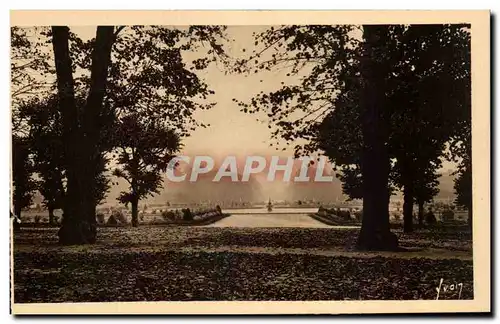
420	68
415	173
137	59
42	119
432	81
147	74
331	59
145	147
421	101
375	66
102	181
426	188
153	73
81	128
22	171
52	190
35	110
153	86
461	152
339	136
463	190
460	146
29	70
29	66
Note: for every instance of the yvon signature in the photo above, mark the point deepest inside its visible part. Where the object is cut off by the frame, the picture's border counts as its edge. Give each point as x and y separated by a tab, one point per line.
448	288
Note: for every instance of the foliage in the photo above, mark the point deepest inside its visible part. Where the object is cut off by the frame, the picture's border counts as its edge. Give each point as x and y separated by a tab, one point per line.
319	57
426	185
28	65
419	73
30	69
336	60
45	139
102	181
153	73
433	83
168	215
419	131
461	152
43	119
144	148
187	215
463	188
153	87
430	76
152	76
22	171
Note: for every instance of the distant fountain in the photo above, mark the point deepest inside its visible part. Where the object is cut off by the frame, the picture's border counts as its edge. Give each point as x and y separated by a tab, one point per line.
269	206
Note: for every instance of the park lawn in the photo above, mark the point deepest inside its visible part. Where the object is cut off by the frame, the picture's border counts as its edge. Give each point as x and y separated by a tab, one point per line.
155	263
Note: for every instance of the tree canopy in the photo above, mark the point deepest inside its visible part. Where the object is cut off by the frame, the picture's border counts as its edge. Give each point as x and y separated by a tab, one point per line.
144	148
144	73
422	73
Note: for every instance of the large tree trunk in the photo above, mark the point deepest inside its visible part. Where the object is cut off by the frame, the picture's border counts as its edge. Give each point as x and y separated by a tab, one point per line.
135	212
92	124
81	134
375	232
420	214
408	207
74	229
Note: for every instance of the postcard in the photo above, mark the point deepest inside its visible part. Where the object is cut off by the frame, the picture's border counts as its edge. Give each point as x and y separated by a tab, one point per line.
250	162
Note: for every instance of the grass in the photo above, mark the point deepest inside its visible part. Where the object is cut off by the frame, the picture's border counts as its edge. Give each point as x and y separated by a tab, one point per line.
153	263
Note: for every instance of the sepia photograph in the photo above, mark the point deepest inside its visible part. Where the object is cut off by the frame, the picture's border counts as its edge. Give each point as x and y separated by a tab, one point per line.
310	162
